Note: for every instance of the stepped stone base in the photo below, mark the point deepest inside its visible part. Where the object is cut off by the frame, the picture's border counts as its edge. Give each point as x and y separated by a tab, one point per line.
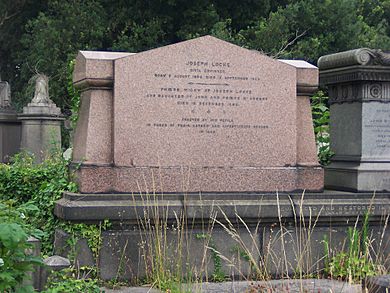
102	179
304	220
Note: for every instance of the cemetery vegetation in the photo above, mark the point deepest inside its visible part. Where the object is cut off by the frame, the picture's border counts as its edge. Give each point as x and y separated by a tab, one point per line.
28	192
15	259
357	260
23	181
44	36
320	113
169	262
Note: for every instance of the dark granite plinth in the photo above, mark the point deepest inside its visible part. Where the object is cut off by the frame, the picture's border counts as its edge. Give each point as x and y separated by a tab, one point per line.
126	207
304	220
378	284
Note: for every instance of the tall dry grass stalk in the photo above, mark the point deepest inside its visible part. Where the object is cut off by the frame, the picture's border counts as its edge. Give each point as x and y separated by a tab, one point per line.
284	250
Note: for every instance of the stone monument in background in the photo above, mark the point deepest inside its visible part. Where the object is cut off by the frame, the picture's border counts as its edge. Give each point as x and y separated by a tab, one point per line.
358	83
41	122
9	125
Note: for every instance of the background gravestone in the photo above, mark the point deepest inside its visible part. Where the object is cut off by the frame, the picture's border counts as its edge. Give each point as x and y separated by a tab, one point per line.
358	82
201	115
10	130
41	122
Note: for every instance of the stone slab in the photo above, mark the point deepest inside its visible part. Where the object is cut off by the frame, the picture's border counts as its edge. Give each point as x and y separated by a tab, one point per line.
10	136
126	253
298	216
378	284
97	179
329	204
291	286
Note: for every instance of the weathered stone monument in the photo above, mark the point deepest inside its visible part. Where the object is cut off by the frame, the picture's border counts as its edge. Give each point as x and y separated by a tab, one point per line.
41	122
193	117
9	125
358	82
204	128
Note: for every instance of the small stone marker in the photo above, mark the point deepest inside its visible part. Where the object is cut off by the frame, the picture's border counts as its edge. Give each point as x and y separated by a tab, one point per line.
358	82
57	263
201	115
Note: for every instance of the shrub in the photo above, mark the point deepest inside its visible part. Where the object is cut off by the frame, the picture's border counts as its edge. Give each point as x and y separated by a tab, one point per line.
15	261
40	185
320	112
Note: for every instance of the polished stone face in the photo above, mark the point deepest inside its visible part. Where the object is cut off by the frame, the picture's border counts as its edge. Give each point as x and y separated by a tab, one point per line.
201	115
204	103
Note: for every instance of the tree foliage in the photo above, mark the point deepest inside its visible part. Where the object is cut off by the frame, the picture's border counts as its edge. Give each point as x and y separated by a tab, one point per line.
44	36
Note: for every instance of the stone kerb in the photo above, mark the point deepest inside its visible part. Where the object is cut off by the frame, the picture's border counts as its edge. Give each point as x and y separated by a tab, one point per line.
358	83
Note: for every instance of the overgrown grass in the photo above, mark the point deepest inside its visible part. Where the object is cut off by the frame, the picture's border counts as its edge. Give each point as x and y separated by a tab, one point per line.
286	252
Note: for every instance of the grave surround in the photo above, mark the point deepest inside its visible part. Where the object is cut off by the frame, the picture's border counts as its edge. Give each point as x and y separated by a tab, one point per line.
119	149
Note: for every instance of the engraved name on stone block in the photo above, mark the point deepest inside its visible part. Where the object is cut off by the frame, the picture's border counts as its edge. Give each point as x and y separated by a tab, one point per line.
344	209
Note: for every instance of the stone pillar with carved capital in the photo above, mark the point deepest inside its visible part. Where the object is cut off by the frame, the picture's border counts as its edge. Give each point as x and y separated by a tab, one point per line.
41	122
358	83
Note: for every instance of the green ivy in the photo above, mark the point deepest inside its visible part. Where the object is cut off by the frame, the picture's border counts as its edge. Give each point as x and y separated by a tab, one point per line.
91	232
218	274
15	259
320	112
67	281
40	185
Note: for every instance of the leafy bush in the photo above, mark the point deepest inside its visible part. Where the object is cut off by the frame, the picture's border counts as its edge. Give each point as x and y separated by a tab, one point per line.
354	264
320	112
15	261
67	281
40	185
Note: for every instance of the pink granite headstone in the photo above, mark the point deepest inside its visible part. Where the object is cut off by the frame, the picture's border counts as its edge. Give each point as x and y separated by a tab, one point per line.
201	115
